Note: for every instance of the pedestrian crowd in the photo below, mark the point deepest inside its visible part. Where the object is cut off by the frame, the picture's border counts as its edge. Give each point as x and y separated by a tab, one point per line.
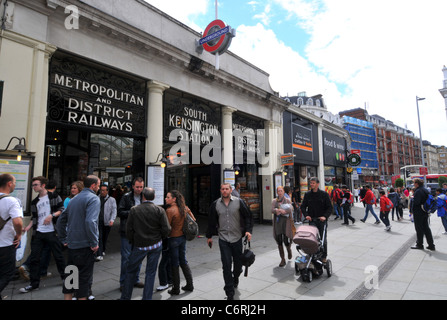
75	231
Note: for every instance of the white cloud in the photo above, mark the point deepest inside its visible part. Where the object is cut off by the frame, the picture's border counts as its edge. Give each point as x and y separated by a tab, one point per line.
379	53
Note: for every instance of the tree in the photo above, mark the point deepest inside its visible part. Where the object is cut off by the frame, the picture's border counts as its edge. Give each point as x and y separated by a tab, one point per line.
399	182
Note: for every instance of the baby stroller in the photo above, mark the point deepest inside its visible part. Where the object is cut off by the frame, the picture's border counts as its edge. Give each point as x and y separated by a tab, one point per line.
310	248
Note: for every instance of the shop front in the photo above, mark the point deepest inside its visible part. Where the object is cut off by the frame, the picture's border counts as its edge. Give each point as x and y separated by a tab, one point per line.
191	126
301	140
95	123
334	150
249	135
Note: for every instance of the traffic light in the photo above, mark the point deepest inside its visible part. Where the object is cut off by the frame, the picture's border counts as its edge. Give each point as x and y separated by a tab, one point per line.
407	173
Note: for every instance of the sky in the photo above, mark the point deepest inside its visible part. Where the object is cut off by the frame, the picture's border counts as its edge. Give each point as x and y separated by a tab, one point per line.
379	55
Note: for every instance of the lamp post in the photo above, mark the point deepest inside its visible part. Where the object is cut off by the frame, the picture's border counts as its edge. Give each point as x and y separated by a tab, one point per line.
420	136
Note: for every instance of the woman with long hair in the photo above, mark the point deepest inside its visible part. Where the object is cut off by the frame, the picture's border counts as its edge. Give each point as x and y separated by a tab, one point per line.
176	212
75	188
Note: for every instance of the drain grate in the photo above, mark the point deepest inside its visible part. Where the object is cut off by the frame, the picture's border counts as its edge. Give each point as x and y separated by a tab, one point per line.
362	292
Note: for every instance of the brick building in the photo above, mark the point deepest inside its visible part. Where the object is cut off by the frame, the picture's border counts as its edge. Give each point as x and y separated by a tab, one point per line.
396	146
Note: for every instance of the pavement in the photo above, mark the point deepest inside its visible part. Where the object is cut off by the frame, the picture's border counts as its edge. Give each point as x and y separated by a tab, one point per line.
368	263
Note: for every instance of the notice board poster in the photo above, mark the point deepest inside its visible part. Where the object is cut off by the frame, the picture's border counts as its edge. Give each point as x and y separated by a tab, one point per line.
156	180
21	171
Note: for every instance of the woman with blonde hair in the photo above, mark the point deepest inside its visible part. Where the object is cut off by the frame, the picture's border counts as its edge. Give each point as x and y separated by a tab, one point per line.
283	226
176	212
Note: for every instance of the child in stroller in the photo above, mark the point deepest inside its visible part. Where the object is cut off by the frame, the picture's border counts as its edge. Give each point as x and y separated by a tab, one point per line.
310	247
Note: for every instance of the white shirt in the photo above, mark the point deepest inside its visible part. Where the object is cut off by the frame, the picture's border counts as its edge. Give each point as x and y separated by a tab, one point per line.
9	207
43	211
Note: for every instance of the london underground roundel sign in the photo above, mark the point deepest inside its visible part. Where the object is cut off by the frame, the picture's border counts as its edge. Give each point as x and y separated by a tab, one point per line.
217	37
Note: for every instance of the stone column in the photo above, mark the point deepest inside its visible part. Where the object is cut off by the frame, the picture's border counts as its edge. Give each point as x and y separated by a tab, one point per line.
227	138
154	141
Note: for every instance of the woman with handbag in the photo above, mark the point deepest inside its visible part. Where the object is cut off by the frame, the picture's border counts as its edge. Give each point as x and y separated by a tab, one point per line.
176	213
283	226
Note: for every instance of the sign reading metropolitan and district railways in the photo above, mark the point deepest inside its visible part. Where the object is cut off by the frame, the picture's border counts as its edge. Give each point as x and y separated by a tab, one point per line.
92	98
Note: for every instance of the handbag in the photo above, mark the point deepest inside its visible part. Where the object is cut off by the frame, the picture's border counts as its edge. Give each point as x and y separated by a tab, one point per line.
190	227
248	256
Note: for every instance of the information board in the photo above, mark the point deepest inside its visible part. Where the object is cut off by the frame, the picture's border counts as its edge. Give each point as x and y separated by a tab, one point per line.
156	180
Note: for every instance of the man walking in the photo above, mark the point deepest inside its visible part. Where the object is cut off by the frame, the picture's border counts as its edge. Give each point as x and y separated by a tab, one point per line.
45	208
369	200
147	225
130	199
231	220
77	228
348	200
11	216
317	208
421	217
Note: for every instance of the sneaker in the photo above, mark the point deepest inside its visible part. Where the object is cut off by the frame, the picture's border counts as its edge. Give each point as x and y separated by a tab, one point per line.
388	228
27	289
377	222
91	297
24	273
362	220
161	288
99	258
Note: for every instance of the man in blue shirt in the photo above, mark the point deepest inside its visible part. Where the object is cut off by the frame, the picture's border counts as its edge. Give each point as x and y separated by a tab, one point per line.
77	229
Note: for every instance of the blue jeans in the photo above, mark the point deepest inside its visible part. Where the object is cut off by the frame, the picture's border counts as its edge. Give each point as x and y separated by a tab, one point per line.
369	207
338	210
126	249
164	267
133	266
444	222
230	254
177	251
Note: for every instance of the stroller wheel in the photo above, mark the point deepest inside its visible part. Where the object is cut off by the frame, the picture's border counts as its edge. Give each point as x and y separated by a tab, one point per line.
328	268
306	275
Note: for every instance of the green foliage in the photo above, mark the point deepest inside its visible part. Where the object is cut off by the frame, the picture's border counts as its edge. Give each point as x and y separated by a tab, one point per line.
399	183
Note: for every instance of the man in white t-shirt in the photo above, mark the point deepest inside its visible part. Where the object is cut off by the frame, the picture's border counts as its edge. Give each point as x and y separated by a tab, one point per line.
44	209
11	233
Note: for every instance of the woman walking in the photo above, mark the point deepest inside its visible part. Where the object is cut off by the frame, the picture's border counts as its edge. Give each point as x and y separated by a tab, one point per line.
283	226
176	213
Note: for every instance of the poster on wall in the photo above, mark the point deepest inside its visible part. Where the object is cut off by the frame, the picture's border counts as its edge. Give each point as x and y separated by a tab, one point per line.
156	180
21	171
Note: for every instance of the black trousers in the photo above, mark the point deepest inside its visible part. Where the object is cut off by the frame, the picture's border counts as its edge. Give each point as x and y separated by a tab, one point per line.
422	228
347	213
321	226
7	266
38	241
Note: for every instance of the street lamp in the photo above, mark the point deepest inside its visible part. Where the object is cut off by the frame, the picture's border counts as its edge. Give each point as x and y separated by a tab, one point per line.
420	135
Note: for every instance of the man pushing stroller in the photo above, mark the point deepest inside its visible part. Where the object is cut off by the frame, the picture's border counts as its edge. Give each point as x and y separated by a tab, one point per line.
316	208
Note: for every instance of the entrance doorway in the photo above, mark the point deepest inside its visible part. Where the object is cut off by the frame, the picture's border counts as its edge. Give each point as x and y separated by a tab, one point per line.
72	155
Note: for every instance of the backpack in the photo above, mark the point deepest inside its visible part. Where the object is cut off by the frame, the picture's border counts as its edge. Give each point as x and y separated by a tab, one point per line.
430	205
190	228
389	203
351	198
2	221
